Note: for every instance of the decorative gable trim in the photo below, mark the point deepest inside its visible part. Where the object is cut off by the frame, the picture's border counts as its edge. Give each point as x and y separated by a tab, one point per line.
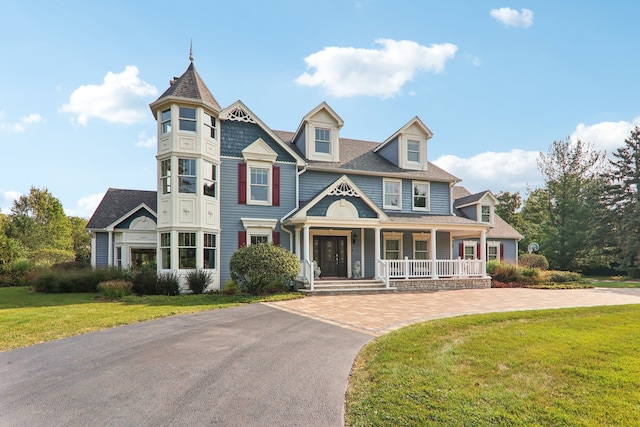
259	151
322	117
343	186
144	206
240	112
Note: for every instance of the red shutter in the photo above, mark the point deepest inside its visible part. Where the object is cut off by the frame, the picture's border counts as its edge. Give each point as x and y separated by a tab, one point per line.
242	183
501	252
242	239
461	250
275	238
275	186
478	251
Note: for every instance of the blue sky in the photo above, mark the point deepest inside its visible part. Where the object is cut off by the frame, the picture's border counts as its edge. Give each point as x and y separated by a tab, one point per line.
496	82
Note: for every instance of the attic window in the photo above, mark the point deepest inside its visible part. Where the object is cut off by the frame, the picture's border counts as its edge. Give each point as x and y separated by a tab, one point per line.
413	151
486	213
323	141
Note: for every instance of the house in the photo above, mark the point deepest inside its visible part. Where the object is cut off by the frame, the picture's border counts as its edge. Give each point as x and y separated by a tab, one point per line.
347	208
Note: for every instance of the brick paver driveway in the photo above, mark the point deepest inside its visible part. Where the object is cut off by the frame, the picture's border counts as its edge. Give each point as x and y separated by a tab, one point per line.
381	313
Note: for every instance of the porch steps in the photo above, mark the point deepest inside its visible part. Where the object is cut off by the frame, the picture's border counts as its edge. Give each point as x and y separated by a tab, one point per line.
342	287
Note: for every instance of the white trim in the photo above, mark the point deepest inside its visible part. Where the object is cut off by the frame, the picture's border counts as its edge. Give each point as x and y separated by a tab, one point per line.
259	151
494	244
472	244
340	233
393	235
254	164
384	194
259	222
422	237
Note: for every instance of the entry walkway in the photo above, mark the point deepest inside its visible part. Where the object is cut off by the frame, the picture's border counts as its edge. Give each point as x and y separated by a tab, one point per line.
378	314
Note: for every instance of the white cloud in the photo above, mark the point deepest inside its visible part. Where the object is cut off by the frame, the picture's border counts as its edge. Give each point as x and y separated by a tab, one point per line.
511	171
7	198
86	206
605	135
22	123
144	141
512	18
121	98
350	71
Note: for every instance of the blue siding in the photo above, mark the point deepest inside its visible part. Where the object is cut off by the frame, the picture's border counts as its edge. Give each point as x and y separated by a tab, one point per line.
443	248
231	211
102	250
139	213
236	136
369	253
440	198
301	143
471	212
390	152
510	248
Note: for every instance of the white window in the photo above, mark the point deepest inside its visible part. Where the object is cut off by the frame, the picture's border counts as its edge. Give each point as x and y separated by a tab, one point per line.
256	239
413	151
210	180
165	176
485	213
420	196
186	176
187	250
392	245
259	230
187	119
323	141
259	185
165	251
165	121
420	246
210	247
493	251
469	250
210	125
392	194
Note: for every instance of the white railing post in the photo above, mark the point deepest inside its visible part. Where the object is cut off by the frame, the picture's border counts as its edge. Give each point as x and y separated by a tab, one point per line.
406	267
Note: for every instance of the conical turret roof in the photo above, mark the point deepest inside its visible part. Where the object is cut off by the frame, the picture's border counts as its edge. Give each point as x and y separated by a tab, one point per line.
190	86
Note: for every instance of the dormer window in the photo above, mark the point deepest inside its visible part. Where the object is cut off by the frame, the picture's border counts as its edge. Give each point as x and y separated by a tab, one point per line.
413	151
165	121
485	213
323	141
188	119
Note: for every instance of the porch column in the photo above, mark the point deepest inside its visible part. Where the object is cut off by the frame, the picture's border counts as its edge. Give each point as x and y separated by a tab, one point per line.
297	245
305	255
483	251
93	249
434	268
376	250
110	250
362	252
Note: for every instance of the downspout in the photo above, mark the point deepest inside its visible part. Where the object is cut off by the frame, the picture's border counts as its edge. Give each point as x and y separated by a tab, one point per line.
303	170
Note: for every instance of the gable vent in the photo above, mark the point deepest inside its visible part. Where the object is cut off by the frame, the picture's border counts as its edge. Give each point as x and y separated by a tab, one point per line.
239	115
345	190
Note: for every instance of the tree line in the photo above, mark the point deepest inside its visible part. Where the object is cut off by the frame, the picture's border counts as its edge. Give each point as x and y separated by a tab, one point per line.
586	217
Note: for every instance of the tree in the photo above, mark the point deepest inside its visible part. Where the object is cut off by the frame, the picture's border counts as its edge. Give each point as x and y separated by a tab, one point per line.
533	216
38	221
622	199
573	175
509	207
81	239
10	249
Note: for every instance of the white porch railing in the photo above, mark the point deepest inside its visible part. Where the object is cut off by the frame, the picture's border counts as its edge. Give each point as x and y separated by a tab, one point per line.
412	268
308	271
382	272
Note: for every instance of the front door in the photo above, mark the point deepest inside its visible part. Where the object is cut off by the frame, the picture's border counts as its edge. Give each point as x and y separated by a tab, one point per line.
330	252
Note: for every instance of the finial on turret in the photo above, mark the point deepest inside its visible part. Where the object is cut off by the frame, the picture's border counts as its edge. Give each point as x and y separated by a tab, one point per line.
191	50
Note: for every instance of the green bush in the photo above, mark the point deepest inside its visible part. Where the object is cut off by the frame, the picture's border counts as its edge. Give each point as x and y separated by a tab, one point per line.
255	267
115	289
564	276
16	273
198	280
534	260
51	281
144	280
492	265
230	288
506	274
52	256
529	275
168	284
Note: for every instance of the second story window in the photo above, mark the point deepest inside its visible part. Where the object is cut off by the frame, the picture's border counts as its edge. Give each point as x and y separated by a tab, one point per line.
165	176
186	176
259	185
211	181
165	121
392	194
485	213
210	125
420	196
188	119
413	151
323	141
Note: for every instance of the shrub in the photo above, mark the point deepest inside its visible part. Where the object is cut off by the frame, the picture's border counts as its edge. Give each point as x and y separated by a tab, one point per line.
564	276
144	281
198	280
52	281
115	289
255	267
16	273
168	284
230	288
492	265
506	274
529	275
534	260
52	256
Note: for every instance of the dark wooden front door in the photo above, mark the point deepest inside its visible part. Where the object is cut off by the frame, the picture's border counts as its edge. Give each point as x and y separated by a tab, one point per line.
331	254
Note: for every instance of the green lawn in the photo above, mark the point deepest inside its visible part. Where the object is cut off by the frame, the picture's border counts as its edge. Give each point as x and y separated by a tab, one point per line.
568	367
27	318
612	284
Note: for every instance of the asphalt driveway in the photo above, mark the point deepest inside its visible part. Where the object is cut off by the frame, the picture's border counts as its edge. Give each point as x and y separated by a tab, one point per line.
245	366
281	364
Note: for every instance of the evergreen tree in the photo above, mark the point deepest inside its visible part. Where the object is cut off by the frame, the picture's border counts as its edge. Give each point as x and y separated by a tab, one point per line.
509	207
623	200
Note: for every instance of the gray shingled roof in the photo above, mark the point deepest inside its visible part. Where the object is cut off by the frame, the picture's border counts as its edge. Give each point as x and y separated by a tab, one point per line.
117	202
431	219
500	230
358	156
191	86
470	199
